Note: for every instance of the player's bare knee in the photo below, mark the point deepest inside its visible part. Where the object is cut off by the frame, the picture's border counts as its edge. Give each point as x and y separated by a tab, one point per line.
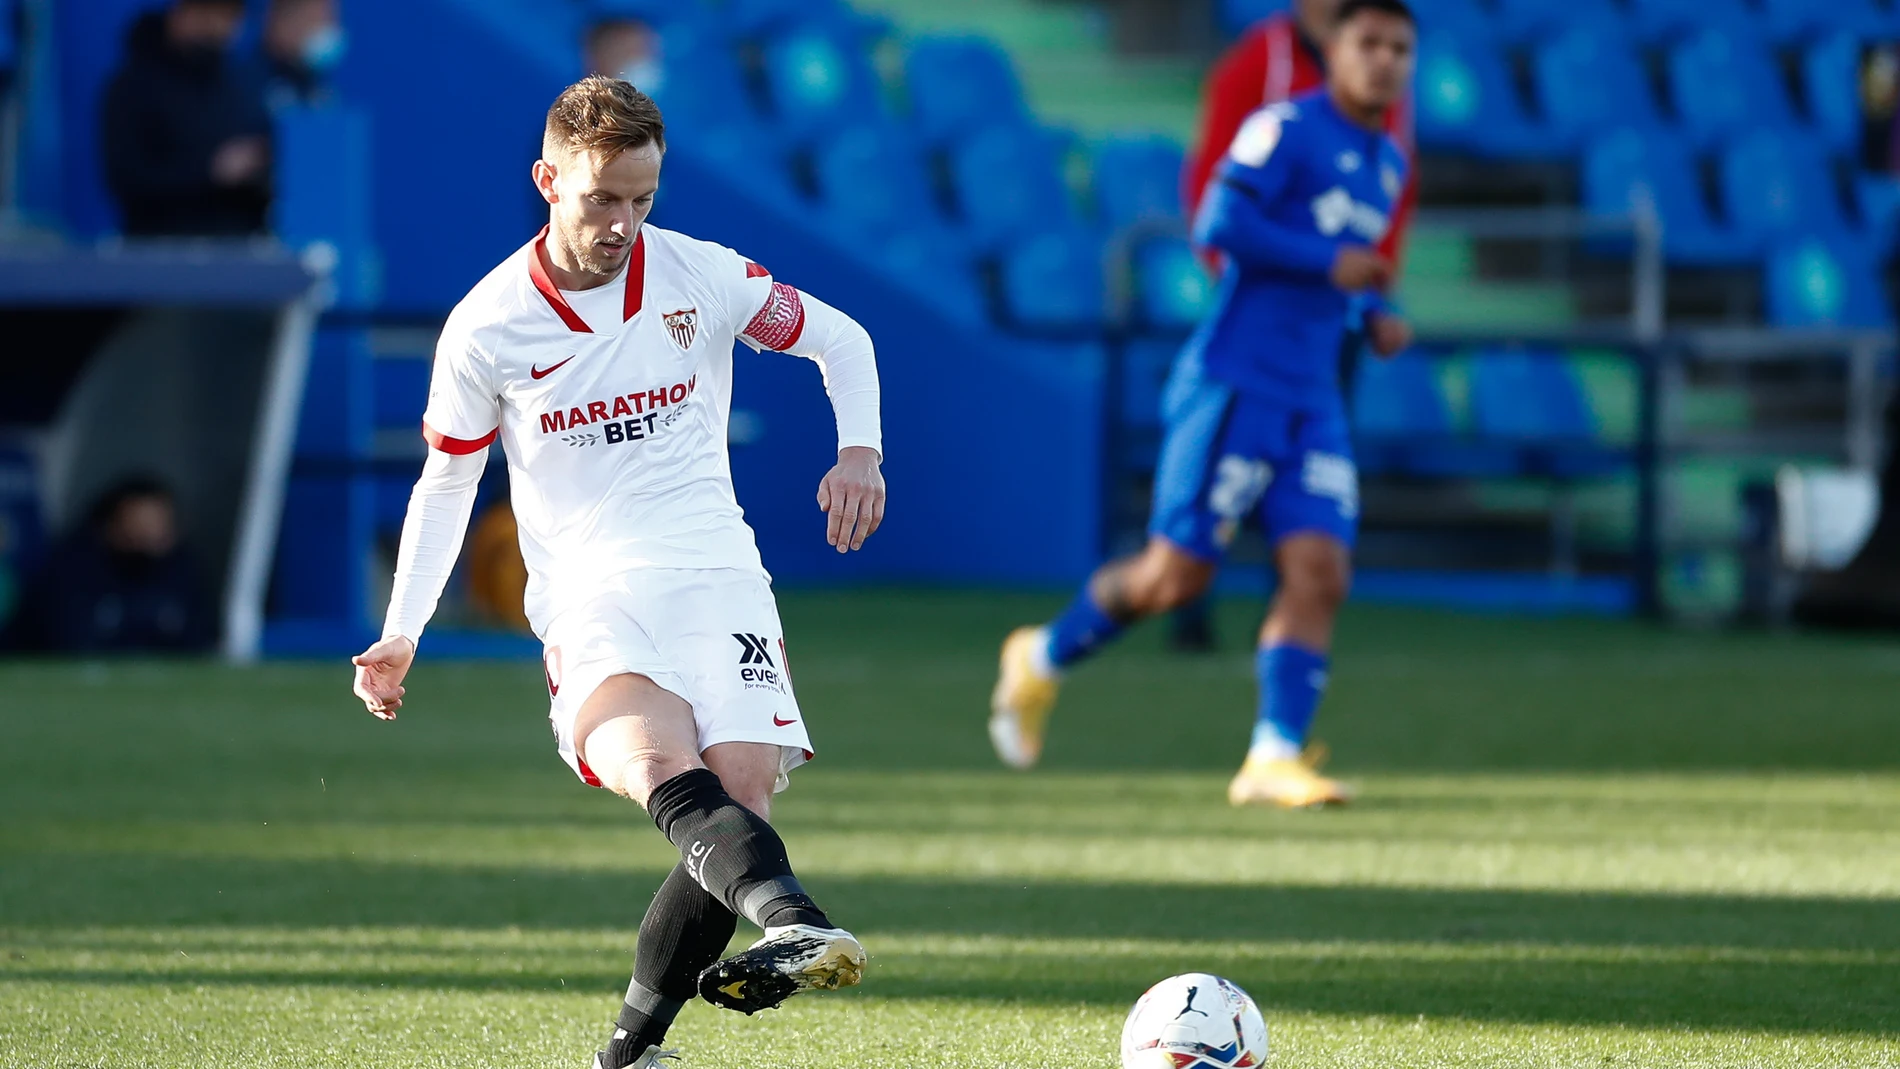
1182	580
1320	582
1165	578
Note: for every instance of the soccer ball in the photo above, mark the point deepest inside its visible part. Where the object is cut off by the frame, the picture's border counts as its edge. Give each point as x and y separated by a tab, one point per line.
1194	1021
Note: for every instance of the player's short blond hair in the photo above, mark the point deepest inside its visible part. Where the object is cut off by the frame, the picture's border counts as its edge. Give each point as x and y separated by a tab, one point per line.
602	115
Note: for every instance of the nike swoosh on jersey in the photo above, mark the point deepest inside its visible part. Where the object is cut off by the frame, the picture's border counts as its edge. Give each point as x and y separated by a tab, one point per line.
540	372
778	722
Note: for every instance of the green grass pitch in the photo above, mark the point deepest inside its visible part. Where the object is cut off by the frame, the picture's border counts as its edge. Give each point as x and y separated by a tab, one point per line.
1580	844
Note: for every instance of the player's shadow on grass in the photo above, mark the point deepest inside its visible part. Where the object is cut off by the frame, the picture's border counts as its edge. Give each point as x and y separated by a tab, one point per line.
1699	961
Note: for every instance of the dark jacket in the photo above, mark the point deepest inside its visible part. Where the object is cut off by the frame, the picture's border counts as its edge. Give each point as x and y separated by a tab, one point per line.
89	599
164	116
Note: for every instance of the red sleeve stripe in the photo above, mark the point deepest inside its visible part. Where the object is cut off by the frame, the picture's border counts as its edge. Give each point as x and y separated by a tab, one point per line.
781	322
460	447
753	270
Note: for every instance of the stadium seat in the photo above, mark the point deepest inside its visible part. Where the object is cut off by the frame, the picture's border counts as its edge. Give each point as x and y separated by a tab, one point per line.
1535	402
1656	21
1626	164
1724	85
957	85
1467	103
1403	425
764	18
1830	80
1237	15
9	55
872	181
401	391
1172	289
1588	80
1877	206
1145	364
1776	184
1054	283
1796	20
930	263
1463	18
1527	20
1819	284
704	88
1137	179
818	81
1009	186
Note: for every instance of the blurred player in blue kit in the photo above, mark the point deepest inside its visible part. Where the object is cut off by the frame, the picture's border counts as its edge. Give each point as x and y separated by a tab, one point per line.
1256	423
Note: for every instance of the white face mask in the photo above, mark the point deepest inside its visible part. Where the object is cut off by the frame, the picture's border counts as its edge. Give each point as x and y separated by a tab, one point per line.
647	75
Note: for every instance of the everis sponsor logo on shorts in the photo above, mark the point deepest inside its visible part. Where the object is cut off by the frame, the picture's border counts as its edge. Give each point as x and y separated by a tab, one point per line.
632	417
756	667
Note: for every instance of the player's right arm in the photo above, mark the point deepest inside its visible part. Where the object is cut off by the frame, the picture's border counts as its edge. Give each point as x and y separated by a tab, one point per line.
463	415
1235	218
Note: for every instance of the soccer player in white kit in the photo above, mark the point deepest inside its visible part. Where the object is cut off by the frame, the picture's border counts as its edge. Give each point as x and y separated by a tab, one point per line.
600	354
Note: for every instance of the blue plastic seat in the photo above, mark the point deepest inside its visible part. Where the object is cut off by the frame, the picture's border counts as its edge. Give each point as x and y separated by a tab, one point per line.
1527	20
1830	78
1463	18
819	81
1145	364
1054	283
930	263
1172	289
401	390
1656	21
1724	85
1588	81
1403	425
872	181
1795	20
957	85
763	18
704	88
1467	103
1534	401
1137	179
1626	165
1009	186
1776	184
1237	15
1877	207
1814	283
9	51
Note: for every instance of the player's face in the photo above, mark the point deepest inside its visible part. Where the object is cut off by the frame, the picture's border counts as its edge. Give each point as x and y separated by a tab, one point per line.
596	208
1370	61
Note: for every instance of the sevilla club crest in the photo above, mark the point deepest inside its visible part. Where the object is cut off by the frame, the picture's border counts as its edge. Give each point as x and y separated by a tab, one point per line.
682	325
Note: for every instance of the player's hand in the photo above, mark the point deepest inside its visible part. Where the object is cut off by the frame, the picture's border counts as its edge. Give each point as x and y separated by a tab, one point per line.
852	498
1356	267
379	673
1389	335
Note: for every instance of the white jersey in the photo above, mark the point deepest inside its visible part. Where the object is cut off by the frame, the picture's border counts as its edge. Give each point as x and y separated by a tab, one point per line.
612	408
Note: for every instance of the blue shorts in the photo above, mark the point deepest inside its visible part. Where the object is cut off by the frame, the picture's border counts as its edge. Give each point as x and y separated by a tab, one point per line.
1226	454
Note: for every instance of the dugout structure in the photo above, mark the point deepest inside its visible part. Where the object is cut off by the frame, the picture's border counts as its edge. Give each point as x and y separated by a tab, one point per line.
184	360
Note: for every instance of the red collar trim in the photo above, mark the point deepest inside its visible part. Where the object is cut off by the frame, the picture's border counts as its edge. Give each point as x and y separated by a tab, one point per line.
636	282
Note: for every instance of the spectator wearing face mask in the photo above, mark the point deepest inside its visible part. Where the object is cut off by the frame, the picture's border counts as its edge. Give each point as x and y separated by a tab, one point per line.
303	42
124	583
627	49
185	130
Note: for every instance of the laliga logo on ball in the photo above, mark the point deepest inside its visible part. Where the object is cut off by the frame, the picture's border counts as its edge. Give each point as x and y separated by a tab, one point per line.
1194	1021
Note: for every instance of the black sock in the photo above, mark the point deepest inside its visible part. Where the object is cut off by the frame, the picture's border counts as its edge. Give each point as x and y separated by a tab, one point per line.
731	852
684	931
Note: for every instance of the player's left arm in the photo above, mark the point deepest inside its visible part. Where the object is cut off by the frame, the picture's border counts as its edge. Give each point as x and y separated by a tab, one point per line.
852	494
1386	328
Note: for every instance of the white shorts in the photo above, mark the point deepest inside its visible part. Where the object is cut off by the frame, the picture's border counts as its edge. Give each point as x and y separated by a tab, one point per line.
710	635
